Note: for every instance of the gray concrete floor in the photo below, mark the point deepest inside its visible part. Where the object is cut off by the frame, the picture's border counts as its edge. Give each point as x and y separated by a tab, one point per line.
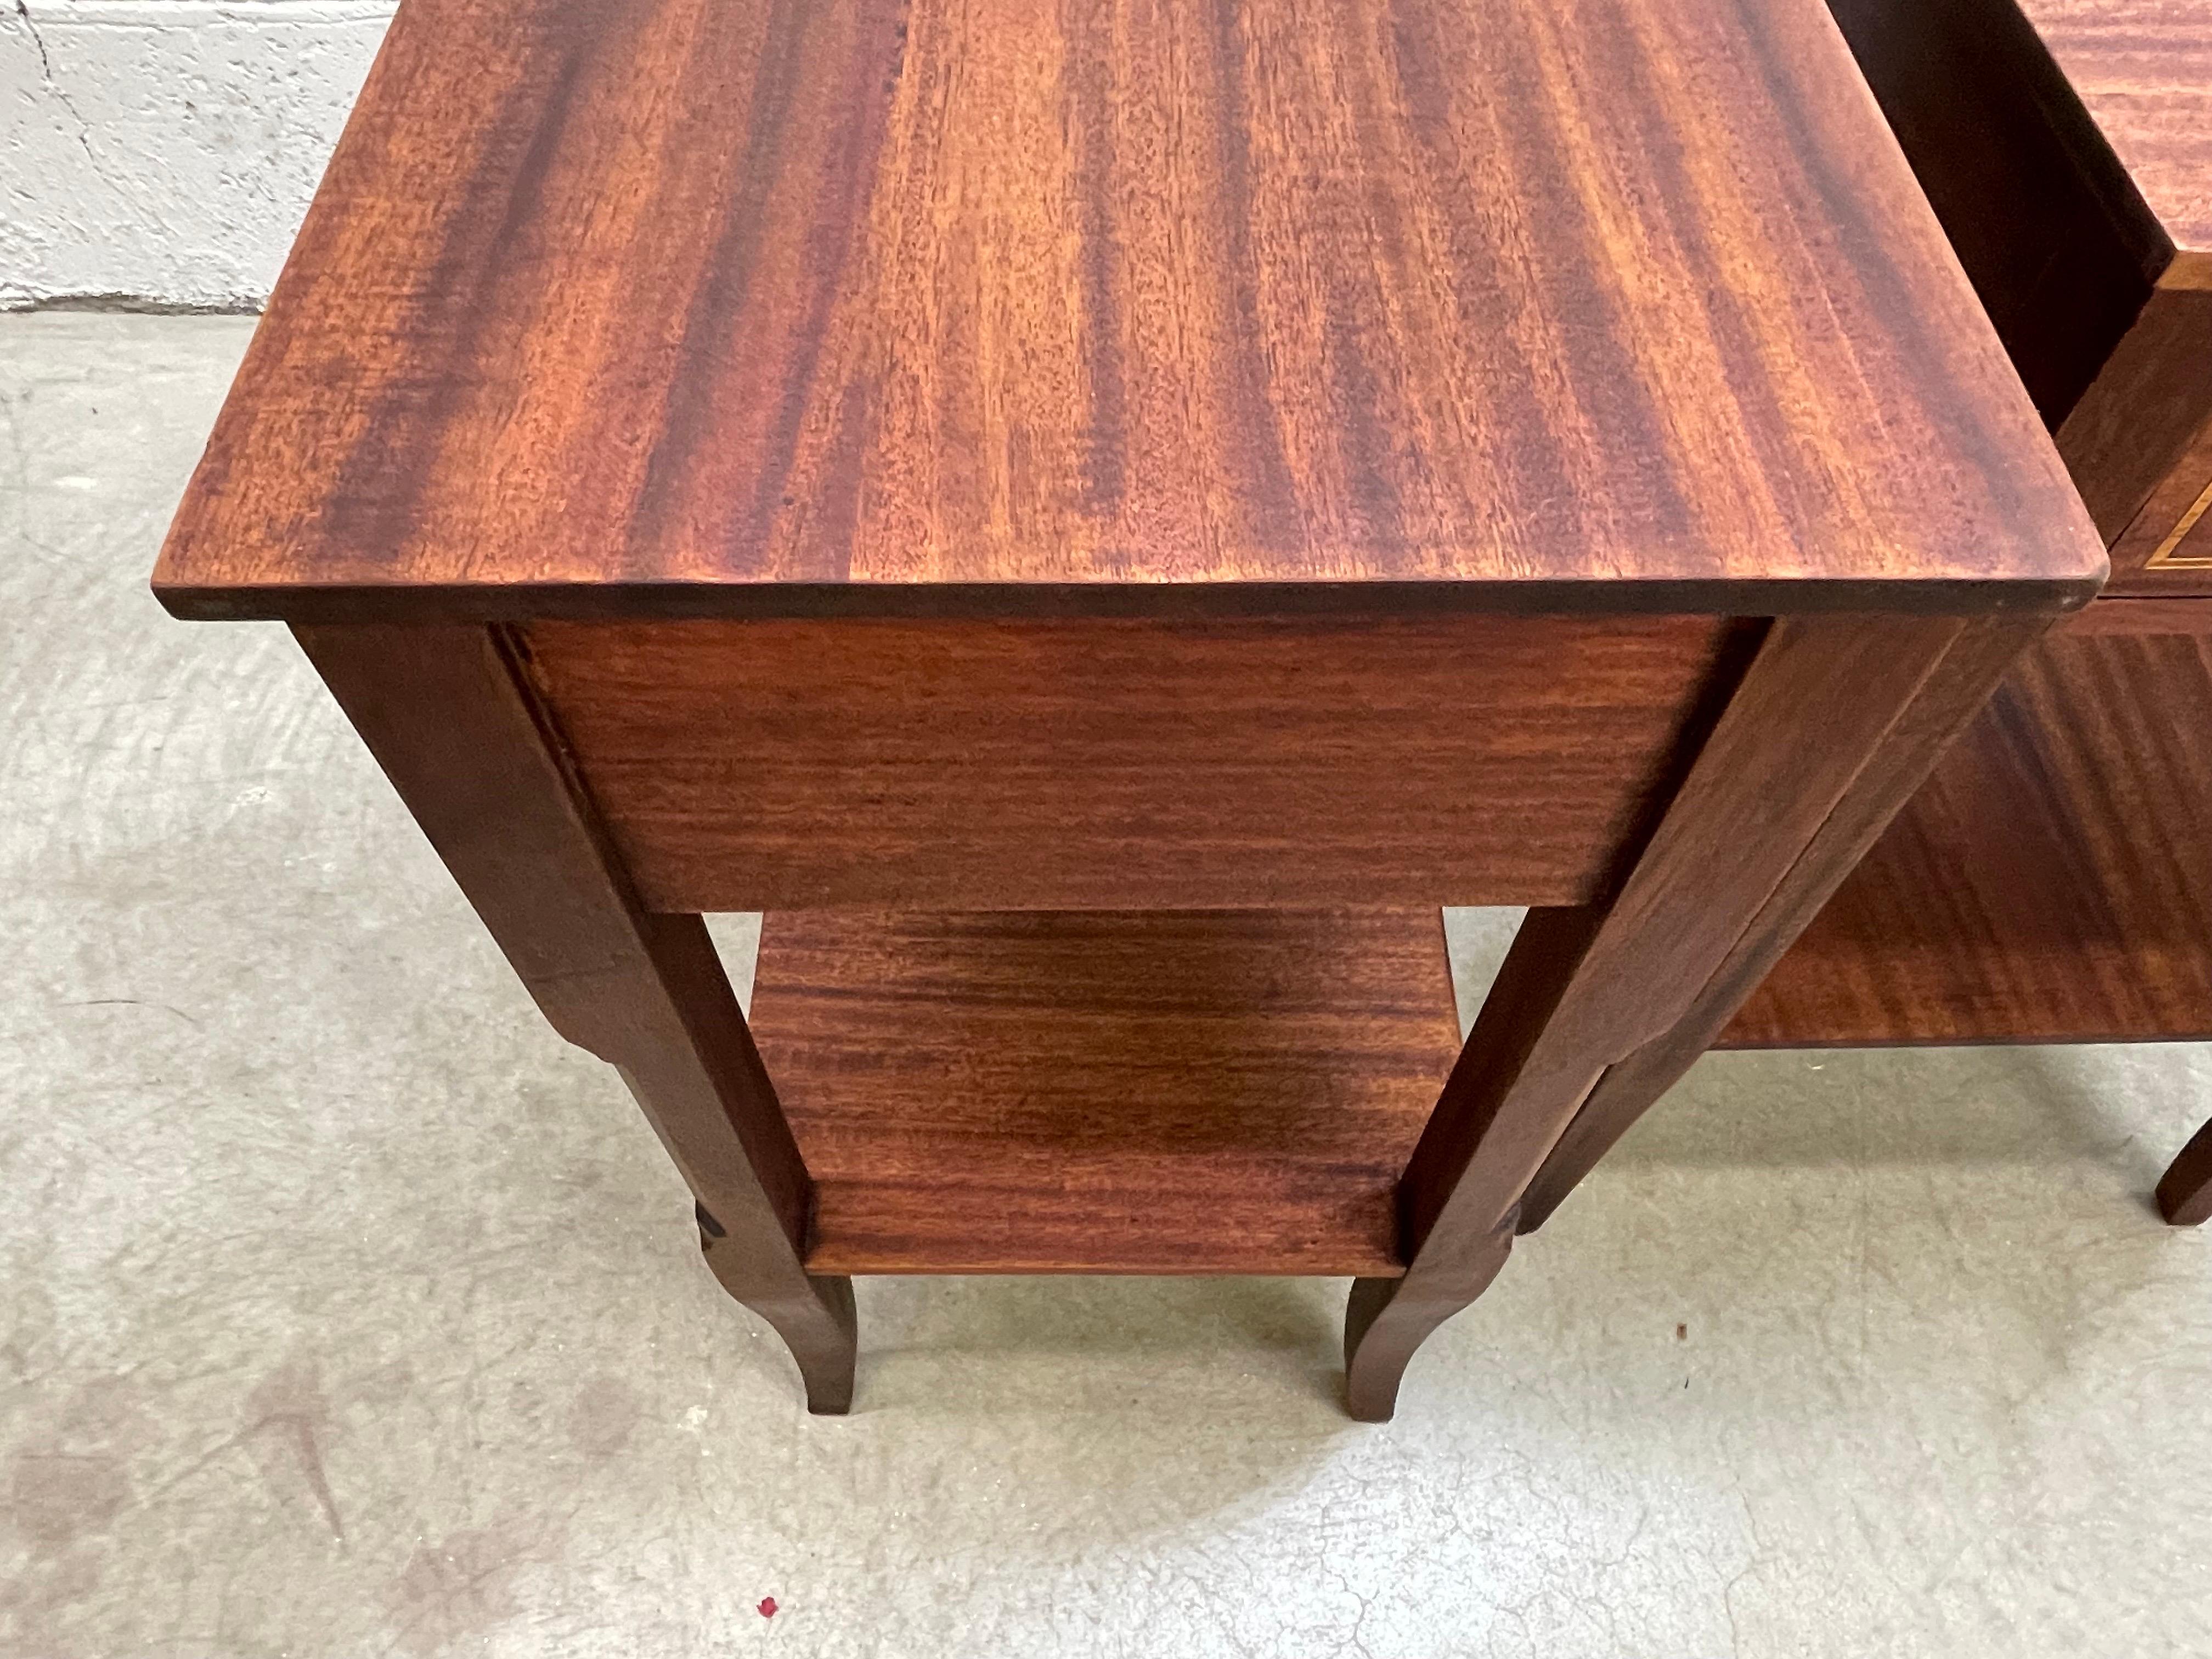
347	1312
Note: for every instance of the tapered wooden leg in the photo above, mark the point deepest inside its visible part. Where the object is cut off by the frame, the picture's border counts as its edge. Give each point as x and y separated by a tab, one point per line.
2184	1196
1815	732
1960	683
1388	1319
449	714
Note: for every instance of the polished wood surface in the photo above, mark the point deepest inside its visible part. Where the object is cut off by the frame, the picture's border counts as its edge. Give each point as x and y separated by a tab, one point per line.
1774	771
1947	700
778	307
818	454
756	766
2060	249
2053	881
2134	441
2165	546
455	729
2049	882
2063	144
2048	885
1827	729
2144	69
1187	1092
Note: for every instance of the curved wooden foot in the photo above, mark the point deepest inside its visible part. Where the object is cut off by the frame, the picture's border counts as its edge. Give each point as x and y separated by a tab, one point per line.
451	715
2184	1196
815	1317
1388	1319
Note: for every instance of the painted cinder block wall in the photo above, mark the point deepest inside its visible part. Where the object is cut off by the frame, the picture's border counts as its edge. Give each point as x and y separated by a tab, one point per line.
159	154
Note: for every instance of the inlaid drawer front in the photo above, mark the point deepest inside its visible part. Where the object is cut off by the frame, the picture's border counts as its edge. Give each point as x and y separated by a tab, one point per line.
1083	764
2188	545
2167	547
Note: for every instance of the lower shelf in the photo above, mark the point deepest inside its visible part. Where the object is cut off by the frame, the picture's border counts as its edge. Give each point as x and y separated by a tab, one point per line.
2052	881
1154	1092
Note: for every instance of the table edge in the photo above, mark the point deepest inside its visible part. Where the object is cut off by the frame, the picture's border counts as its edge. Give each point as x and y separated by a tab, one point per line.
355	601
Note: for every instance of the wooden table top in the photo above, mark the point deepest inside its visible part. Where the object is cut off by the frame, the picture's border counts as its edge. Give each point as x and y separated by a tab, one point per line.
2144	69
795	306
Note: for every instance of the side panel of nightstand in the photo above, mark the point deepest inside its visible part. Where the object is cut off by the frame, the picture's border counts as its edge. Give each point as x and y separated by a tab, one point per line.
2139	444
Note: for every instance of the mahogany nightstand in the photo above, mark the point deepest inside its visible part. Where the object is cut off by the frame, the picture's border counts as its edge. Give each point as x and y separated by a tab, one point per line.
1098	522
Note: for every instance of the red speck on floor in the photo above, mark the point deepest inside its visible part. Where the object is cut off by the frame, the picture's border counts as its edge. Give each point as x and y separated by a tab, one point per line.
768	1606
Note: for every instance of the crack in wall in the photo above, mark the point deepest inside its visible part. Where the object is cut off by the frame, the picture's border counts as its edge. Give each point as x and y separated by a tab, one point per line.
61	97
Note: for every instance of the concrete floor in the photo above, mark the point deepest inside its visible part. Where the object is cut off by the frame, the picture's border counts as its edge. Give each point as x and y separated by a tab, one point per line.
348	1312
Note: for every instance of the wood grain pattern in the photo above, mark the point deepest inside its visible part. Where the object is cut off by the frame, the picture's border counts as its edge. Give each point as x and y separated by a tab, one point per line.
2138	446
1157	1093
2143	437
761	766
1814	708
2059	247
2108	324
2144	68
1802	741
1951	693
2140	615
2051	883
755	306
2133	442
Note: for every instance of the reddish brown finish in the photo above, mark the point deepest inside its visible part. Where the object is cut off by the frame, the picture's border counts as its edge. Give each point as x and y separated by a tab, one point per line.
1211	1092
1499	1101
2064	146
2137	444
2184	1196
2052	883
2059	247
2165	546
751	766
1387	1320
1787	752
1947	700
2144	69
1263	321
775	307
455	730
1811	735
2140	615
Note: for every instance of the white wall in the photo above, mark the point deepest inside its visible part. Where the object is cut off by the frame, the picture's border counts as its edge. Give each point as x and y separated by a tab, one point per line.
161	152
